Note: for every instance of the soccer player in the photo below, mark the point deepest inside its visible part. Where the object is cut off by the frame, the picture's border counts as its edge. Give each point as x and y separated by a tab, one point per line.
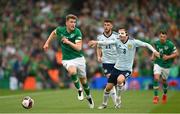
168	52
107	55
126	47
70	39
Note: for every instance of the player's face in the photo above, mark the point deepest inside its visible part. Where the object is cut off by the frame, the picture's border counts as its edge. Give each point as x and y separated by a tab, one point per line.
71	24
163	37
122	35
107	27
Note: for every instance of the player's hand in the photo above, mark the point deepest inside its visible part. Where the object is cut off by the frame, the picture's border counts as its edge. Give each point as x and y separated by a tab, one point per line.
92	43
99	59
65	40
46	46
157	54
165	57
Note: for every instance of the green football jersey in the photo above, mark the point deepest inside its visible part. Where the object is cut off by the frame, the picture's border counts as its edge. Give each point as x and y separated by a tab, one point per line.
166	48
67	51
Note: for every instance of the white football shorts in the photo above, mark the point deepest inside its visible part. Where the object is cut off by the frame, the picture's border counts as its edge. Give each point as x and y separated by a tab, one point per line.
164	72
79	63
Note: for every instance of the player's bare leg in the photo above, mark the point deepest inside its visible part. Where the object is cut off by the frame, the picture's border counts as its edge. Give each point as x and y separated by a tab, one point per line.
120	83
87	91
165	87
107	90
156	88
72	70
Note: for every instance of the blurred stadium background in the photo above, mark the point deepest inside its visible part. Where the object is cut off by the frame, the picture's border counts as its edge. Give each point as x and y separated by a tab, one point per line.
26	24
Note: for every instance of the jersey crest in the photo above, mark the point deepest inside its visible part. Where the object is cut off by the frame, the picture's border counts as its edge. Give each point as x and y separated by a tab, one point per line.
72	35
166	47
129	46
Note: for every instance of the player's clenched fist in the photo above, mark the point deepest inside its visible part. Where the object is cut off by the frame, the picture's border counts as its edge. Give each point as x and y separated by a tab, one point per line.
65	40
157	54
92	43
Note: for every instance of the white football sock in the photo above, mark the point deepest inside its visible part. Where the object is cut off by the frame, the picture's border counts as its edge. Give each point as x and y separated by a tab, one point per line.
105	97
119	89
113	95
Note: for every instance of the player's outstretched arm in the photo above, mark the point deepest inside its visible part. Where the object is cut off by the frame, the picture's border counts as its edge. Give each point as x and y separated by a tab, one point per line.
94	43
51	36
150	47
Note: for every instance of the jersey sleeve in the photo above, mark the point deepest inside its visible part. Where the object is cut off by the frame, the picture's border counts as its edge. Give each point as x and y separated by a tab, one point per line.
173	48
99	39
59	33
78	36
139	43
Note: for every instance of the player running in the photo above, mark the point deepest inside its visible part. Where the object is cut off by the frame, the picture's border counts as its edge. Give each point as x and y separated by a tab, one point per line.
126	47
70	39
162	65
107	55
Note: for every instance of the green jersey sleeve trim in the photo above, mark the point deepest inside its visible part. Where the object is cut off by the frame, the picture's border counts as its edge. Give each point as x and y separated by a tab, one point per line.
79	38
77	41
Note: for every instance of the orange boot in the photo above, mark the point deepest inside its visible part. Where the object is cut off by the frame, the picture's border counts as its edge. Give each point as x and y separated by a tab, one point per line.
164	99
156	99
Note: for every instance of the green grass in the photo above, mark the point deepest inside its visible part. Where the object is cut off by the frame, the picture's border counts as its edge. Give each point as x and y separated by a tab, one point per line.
65	101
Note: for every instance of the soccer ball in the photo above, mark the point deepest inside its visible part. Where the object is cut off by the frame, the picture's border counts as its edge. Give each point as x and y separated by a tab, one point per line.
27	102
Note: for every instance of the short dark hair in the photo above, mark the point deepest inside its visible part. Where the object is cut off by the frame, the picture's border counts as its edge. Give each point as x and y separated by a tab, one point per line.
108	21
71	16
163	32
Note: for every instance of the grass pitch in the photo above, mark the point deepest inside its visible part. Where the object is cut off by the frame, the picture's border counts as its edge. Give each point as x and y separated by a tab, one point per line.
65	101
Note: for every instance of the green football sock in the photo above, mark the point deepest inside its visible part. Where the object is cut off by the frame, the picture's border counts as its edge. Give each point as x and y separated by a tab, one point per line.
156	87
86	88
165	86
75	81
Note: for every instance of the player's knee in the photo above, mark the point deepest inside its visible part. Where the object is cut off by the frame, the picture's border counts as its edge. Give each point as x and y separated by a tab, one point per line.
120	79
72	70
108	88
83	80
156	77
164	81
